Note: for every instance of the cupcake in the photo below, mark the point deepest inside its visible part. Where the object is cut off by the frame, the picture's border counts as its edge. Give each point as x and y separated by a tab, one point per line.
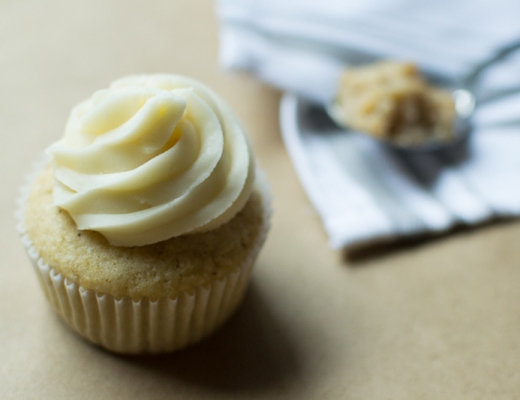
144	221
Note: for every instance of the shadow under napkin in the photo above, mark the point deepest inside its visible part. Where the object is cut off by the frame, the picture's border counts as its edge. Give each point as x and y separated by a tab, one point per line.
358	256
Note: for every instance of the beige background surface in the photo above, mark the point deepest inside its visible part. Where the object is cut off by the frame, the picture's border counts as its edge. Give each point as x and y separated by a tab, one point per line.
436	320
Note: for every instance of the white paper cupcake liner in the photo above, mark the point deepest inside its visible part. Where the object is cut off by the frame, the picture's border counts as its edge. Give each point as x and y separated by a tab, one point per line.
145	325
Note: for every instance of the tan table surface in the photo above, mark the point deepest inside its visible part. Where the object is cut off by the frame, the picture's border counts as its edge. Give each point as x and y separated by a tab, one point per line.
437	320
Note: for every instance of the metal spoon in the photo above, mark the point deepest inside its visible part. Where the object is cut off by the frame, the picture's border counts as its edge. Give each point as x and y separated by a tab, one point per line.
463	92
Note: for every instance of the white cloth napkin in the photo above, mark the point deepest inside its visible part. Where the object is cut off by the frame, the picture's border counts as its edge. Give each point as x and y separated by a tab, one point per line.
363	192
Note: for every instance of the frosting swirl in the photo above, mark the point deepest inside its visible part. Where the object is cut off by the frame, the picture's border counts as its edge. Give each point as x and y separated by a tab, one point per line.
150	158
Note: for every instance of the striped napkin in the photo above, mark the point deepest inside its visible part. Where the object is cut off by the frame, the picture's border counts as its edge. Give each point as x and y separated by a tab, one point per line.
364	191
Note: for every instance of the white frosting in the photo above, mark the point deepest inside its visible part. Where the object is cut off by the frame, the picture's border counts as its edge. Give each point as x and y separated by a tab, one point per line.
150	158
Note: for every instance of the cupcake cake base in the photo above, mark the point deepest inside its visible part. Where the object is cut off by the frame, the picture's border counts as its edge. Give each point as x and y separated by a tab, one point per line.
148	299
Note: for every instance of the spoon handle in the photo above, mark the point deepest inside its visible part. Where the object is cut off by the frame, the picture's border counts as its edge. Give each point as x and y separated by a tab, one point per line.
470	79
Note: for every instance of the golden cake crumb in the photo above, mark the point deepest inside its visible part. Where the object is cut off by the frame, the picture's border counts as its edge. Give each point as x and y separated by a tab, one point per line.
391	100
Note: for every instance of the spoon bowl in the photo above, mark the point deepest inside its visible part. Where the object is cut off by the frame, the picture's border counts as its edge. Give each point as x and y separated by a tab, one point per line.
464	101
463	92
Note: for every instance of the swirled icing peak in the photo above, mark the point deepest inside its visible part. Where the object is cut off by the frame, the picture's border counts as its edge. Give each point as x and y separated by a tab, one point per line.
150	158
